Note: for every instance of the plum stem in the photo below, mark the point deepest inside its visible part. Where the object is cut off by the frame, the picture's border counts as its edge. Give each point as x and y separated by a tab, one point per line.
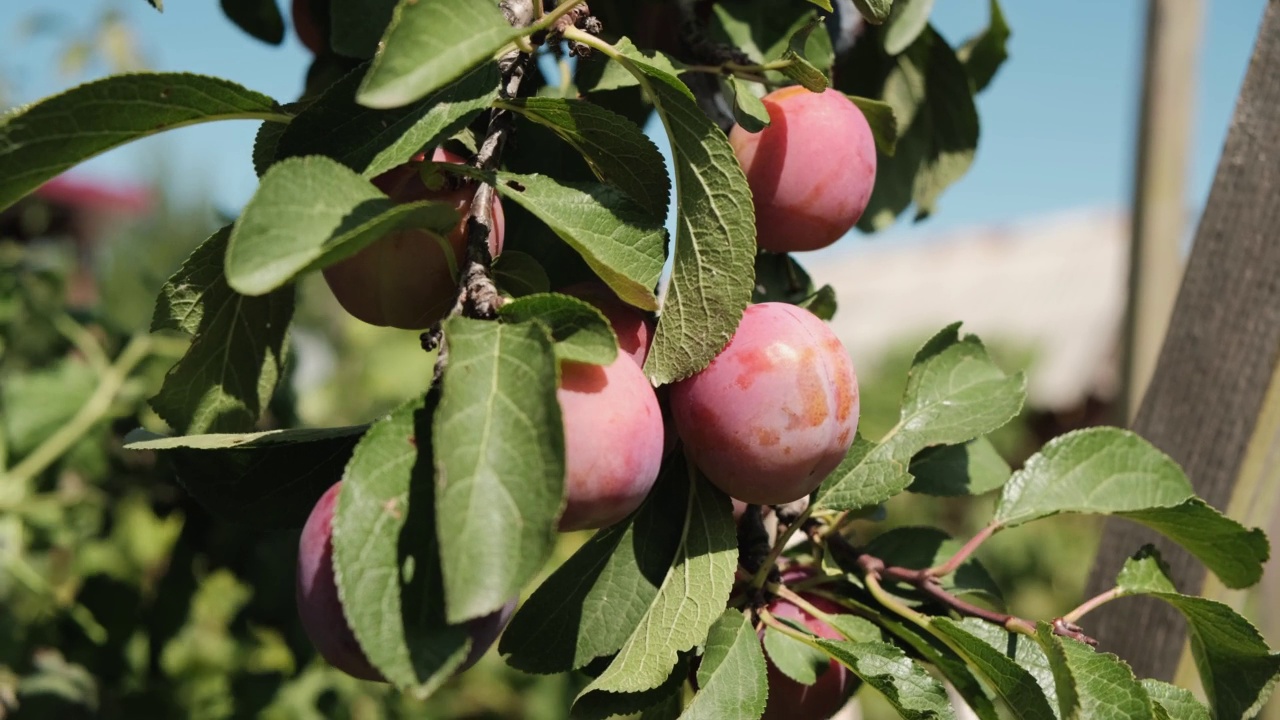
798	600
773	622
762	574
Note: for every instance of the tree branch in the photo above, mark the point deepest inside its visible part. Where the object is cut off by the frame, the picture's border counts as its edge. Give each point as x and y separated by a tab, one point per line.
928	585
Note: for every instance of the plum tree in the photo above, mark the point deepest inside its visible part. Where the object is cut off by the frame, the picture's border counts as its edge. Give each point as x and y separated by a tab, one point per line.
789	698
775	411
811	170
633	326
409	278
613	441
321	611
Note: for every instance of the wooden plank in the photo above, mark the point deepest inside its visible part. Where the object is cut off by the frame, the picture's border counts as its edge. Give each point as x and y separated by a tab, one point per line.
1223	344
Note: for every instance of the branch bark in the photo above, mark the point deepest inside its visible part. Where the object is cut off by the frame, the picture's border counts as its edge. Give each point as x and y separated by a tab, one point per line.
1217	360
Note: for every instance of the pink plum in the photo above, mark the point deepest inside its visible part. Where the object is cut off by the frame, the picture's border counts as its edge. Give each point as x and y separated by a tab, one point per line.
775	412
321	611
633	326
790	699
811	170
613	441
409	278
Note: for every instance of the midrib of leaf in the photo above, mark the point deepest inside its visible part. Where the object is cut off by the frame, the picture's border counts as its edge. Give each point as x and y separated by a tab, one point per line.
681	556
487	430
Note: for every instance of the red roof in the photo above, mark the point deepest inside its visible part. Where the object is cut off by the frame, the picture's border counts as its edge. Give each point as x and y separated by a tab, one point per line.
94	195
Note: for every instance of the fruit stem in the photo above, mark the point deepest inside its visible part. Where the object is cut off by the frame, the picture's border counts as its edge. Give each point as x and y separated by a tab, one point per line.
786	629
963	553
796	599
762	574
885	598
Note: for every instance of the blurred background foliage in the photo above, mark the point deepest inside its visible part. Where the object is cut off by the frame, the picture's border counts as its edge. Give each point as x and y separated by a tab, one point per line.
123	598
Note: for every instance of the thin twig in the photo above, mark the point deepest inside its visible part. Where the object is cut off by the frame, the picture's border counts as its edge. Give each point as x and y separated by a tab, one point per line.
963	553
94	409
1091	604
926	582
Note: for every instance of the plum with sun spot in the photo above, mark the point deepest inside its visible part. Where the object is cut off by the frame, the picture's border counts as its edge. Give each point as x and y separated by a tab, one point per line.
775	412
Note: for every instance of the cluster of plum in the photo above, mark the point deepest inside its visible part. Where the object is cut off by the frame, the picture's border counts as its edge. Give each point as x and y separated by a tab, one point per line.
772	415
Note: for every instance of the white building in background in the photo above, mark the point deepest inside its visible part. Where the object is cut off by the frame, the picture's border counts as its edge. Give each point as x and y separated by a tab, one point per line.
1054	285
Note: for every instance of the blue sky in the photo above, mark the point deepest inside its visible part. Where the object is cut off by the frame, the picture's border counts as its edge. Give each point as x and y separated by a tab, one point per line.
1057	123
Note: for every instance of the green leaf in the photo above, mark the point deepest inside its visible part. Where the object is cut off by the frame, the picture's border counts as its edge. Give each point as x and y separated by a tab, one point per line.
499	460
801	70
374	141
623	244
592	603
908	19
822	303
157	4
912	691
616	150
923	547
712	274
1109	471
265	142
694	590
954	393
262	480
748	110
519	274
779	278
987	648
1101	685
1177	703
429	44
972	468
36	403
229	372
731	678
356	26
874	11
984	53
766	31
883	121
601	705
793	658
581	332
385	556
824	4
1237	669
312	212
934	651
39	141
929	91
259	18
602	74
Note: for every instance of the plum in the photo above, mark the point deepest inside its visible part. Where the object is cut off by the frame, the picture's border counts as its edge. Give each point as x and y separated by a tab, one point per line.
633	326
321	611
613	441
811	170
409	279
775	412
790	699
304	24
